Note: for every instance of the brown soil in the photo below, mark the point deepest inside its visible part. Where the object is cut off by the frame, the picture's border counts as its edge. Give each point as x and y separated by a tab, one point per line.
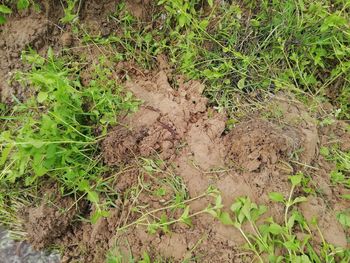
254	158
44	224
176	125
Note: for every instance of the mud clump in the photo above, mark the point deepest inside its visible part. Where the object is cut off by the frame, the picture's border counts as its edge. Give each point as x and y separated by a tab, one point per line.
257	145
45	224
160	124
88	242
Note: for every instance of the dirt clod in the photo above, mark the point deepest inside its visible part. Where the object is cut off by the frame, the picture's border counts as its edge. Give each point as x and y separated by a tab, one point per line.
45	224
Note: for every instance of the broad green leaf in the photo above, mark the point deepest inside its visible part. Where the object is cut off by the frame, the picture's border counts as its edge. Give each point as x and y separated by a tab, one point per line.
218	202
2	20
210	2
299	200
163	222
185	218
344	219
333	20
324	151
39	170
42	96
203	24
152	228
211	211
84	185
346	196
36	143
5	10
145	258
5	153
246	209
256	213
92	196
292	244
236	206
241	83
69	17
22	4
241	218
291	221
97	215
276	197
225	218
182	20
296	179
275	229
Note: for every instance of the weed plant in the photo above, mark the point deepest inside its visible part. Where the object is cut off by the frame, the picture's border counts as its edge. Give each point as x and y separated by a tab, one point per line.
55	133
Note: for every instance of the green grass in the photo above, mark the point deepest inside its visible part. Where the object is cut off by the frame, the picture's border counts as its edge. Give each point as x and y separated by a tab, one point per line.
298	46
55	134
6	10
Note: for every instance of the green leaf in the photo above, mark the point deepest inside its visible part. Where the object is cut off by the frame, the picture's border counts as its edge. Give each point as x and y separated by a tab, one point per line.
84	186
164	223
256	213
5	153
333	20
92	196
291	221
39	170
241	218
97	215
42	96
153	228
276	197
36	143
292	244
324	151
218	202
246	209
145	258
296	179
236	206
225	218
344	219
185	216
210	2
203	24
5	10
2	20
182	20
346	196
299	200
275	229
241	83
211	211
50	54
22	4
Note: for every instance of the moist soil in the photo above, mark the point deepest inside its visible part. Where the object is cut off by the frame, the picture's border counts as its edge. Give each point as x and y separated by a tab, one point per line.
175	124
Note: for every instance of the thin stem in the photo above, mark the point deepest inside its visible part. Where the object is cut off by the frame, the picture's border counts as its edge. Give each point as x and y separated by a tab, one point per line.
144	216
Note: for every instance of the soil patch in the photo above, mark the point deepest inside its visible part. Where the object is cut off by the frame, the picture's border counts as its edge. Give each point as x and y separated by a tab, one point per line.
44	224
254	158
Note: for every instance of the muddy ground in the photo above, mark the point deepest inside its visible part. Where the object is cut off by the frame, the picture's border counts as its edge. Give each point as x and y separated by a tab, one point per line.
175	124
